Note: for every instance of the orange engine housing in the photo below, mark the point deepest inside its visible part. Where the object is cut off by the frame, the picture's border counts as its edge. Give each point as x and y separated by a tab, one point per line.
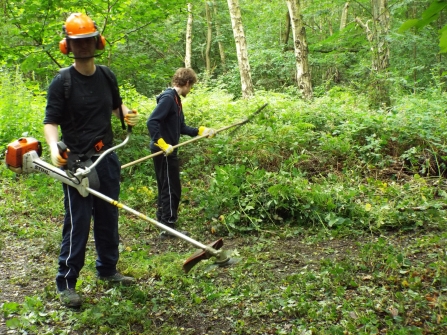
16	150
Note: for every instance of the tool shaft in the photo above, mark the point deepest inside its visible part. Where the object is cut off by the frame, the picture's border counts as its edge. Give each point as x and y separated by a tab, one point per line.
196	138
158	224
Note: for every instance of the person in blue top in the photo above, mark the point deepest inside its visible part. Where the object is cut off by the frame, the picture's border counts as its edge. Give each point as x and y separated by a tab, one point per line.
165	125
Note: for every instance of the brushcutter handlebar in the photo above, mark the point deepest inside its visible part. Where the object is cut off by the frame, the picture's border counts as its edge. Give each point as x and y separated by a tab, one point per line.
87	170
80	173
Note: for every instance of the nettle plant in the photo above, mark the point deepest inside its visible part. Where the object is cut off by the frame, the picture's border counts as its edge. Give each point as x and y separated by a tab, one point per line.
320	164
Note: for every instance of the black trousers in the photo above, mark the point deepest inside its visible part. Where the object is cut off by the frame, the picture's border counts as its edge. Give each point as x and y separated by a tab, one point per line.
79	212
169	188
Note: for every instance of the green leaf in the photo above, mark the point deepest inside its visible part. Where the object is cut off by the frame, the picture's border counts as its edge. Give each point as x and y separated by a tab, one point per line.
428	16
433	11
13	323
10	307
443	40
408	24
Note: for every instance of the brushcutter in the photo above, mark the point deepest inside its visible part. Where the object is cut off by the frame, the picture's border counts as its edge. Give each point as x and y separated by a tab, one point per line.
236	124
23	157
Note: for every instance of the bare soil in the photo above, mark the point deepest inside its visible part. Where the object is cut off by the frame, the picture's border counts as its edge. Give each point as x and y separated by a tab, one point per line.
23	264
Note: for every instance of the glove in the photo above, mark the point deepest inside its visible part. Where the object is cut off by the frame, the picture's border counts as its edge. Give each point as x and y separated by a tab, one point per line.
56	157
209	132
167	148
132	118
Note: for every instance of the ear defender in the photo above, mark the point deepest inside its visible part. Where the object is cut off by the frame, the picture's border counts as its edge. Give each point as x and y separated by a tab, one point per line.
100	42
63	46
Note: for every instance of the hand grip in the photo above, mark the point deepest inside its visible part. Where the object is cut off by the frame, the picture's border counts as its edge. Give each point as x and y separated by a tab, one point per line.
129	128
63	150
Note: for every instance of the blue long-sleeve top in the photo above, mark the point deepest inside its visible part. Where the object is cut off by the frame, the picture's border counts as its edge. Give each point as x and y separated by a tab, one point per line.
167	120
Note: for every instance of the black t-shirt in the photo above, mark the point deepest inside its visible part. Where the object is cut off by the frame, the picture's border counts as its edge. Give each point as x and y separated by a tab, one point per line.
85	117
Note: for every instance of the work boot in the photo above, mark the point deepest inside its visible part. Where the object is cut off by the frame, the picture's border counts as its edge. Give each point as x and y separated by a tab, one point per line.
69	298
118	278
164	235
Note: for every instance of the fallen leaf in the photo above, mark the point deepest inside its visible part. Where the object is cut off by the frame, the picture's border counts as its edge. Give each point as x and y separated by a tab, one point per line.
394	312
353	315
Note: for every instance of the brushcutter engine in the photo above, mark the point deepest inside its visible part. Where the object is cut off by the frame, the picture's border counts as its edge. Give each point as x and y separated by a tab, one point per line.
17	150
23	156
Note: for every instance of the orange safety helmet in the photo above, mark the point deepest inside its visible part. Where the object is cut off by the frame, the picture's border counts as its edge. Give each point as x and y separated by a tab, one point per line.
80	26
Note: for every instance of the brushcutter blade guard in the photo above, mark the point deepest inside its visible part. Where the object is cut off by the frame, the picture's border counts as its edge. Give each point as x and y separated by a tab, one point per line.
201	255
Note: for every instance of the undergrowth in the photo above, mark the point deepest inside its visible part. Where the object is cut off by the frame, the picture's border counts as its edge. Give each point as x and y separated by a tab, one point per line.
298	170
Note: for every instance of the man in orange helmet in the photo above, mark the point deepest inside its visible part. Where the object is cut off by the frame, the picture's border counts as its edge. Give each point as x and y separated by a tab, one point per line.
83	109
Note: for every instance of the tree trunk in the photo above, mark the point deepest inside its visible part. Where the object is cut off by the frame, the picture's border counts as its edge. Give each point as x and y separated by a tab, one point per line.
381	16
331	30
376	31
300	46
287	31
208	38
188	37
218	35
344	16
241	48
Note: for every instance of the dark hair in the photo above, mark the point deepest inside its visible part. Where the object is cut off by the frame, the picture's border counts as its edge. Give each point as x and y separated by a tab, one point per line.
184	75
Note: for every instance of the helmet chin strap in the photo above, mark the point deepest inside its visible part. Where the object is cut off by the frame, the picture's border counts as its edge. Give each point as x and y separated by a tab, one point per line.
87	57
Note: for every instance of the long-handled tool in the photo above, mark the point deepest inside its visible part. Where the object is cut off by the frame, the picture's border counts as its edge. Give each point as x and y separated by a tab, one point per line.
240	123
22	157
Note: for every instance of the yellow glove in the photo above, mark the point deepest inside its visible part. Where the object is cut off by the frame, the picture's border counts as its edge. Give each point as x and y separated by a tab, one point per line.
132	117
167	148
56	157
209	132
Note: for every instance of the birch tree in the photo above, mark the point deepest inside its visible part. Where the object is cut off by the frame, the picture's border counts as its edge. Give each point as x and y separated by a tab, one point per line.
209	33
381	15
188	36
303	77
219	37
241	48
344	16
377	29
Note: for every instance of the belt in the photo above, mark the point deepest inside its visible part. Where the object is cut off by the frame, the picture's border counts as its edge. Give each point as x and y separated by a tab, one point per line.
99	153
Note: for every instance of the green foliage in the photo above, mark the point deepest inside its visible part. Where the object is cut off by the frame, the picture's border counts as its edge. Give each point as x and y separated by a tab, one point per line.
32	33
286	165
21	109
298	172
145	43
431	14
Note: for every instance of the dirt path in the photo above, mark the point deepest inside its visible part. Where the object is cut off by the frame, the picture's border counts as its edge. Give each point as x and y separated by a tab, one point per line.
27	267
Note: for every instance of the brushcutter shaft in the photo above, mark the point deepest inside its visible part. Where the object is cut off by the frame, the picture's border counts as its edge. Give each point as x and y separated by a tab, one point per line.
119	205
197	138
178	145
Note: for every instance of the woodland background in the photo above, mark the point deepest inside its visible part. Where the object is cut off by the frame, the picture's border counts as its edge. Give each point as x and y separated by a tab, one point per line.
334	196
146	42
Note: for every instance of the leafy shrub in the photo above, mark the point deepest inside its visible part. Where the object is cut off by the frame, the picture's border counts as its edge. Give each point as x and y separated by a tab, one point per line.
331	162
